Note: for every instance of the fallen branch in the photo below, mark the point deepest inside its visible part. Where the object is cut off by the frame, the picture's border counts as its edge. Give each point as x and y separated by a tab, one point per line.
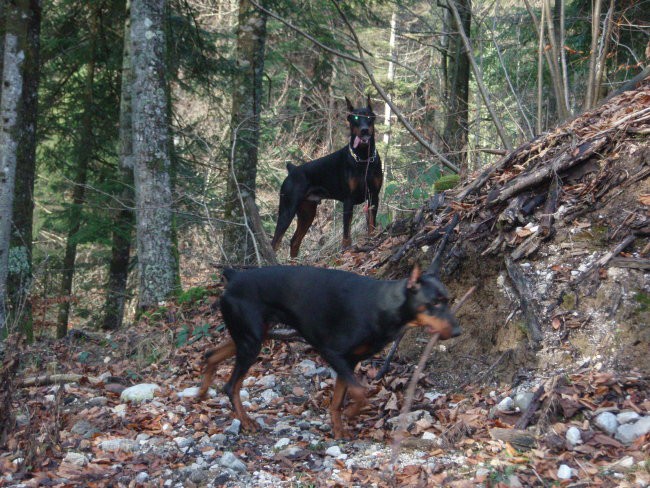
57	379
410	390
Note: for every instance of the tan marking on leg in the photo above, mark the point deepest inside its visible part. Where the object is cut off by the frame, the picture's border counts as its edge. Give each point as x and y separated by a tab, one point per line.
247	423
335	408
360	399
211	362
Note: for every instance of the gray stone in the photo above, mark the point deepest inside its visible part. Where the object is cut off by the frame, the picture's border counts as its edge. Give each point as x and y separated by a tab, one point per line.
75	458
334	451
194	391
573	436
141	477
507	405
523	400
197	476
607	422
84	429
411	418
230	461
139	393
267	381
269	395
628	433
233	428
564	472
282	443
98	401
183	442
627	417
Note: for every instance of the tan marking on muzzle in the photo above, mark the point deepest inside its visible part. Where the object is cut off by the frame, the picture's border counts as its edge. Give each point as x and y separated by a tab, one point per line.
434	325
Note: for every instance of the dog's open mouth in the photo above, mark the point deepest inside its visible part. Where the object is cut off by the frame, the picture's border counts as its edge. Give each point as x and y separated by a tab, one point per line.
361	140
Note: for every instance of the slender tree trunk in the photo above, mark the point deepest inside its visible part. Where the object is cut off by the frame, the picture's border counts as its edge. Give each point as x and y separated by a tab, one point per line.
11	131
593	54
477	73
84	154
151	158
238	238
20	254
119	267
390	78
457	70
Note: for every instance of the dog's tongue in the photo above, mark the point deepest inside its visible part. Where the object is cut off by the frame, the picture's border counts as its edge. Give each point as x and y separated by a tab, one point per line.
359	140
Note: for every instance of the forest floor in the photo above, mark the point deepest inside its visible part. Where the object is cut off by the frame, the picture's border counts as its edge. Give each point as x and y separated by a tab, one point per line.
82	432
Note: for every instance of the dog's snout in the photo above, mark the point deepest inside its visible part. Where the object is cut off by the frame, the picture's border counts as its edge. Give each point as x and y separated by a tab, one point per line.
455	332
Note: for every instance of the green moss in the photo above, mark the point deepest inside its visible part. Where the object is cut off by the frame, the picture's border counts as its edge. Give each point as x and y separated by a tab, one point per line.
643	299
446	182
569	301
192	295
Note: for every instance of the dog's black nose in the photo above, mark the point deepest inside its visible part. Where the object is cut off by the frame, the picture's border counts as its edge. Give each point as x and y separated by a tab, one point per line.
456	332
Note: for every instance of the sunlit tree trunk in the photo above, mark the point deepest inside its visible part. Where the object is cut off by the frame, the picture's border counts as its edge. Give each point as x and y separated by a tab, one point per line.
11	130
238	242
20	253
116	292
151	154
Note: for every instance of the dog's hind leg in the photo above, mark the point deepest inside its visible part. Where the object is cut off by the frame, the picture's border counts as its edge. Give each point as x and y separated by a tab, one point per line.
211	361
306	214
248	331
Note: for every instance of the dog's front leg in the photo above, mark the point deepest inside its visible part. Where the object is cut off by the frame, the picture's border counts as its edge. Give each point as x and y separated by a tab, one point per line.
360	400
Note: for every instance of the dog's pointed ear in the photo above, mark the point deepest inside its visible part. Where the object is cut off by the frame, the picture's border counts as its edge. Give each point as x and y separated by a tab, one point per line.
349	105
414	279
368	102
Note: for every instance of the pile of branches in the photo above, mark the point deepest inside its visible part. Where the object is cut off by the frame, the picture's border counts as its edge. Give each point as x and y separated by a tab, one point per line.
513	206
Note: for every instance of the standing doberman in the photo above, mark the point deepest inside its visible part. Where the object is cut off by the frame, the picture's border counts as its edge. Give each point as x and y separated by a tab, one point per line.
345	317
350	175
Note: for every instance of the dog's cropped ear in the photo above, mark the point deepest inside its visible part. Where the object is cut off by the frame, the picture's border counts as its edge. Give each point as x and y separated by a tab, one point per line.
368	102
413	283
349	104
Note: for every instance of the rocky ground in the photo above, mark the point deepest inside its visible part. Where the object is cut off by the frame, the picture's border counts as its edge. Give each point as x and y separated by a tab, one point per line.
124	422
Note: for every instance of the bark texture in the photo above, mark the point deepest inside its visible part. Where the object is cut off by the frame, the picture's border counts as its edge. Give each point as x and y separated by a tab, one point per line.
119	268
15	42
19	279
247	99
151	155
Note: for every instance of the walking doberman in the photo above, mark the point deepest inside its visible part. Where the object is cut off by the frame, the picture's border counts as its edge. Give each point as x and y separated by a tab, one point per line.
344	316
350	175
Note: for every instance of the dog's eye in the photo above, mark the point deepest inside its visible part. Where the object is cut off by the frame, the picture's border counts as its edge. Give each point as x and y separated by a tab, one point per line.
356	117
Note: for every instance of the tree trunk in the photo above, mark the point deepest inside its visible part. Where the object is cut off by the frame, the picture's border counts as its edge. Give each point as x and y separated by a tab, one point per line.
151	155
11	130
457	70
247	95
390	78
19	279
84	154
119	267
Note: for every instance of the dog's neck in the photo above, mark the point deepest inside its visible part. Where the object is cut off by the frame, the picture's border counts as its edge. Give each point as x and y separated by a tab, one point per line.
363	154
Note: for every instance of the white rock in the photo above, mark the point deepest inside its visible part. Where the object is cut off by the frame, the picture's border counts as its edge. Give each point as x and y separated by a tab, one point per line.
607	422
282	443
411	418
75	458
139	393
623	464
194	391
506	405
229	460
334	451
244	395
573	436
628	433
627	417
564	472
269	395
125	445
482	472
429	436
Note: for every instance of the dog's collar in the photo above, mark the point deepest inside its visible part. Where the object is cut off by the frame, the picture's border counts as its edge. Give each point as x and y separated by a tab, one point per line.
357	159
